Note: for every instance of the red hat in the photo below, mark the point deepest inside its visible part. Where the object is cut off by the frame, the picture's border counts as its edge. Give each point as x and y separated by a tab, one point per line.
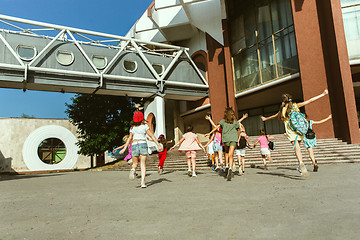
138	116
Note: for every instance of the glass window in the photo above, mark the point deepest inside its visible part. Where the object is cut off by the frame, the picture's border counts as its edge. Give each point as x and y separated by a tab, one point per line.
262	41
100	62
246	67
159	68
65	57
351	18
130	65
267	60
26	53
52	151
286	53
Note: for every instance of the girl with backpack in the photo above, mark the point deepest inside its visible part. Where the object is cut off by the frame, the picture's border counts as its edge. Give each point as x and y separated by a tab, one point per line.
287	110
264	147
310	140
243	142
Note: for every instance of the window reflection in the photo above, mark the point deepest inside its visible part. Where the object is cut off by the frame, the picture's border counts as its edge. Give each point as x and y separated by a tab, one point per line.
262	41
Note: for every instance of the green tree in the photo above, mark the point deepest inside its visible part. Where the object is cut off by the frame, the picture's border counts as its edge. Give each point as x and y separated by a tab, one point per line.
102	121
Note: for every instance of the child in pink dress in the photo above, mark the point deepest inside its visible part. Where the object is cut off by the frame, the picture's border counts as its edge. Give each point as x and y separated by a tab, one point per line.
190	144
264	147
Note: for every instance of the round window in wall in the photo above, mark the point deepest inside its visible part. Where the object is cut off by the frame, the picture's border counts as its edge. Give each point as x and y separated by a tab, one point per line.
100	62
159	68
65	57
26	53
130	65
52	151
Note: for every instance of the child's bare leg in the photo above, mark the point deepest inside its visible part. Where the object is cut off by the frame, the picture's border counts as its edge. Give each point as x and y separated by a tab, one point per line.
193	161
298	152
216	159
143	169
269	158
189	163
243	163
226	159
239	160
312	156
135	162
220	153
264	160
231	155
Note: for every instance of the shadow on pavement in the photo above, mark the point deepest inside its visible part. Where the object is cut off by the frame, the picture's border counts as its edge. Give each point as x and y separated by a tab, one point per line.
160	180
294	177
6	177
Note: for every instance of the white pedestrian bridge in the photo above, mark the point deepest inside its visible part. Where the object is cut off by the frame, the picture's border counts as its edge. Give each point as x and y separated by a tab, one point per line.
48	57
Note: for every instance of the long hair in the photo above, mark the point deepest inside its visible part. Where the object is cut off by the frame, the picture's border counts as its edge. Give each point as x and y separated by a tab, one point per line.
136	124
286	99
229	115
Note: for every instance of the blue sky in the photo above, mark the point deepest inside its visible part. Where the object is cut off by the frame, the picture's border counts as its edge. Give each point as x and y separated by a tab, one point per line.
108	16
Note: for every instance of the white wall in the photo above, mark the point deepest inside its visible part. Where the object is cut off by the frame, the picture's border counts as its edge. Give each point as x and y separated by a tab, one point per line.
16	131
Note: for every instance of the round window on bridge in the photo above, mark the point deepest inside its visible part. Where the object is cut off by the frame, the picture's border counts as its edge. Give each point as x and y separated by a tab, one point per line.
65	57
130	65
100	62
51	151
26	53
159	68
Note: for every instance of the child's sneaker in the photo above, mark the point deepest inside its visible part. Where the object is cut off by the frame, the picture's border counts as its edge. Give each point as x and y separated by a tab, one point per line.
130	161
189	173
298	169
159	169
303	170
143	186
316	167
132	174
194	174
216	168
229	174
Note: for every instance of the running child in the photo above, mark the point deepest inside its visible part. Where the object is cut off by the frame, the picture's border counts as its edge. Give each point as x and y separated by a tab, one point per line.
190	144
264	147
162	154
243	142
310	141
287	106
139	146
230	128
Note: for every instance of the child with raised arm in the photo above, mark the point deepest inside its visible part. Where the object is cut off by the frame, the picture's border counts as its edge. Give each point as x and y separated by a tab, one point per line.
190	144
286	108
264	147
162	154
230	127
310	141
219	146
139	146
243	142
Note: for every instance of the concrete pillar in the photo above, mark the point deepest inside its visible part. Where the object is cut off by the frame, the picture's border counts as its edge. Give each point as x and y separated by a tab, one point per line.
156	109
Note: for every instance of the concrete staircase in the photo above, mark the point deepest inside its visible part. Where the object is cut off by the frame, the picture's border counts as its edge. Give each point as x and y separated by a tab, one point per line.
327	151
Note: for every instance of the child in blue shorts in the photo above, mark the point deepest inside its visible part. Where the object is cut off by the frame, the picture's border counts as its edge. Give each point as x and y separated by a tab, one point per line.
310	141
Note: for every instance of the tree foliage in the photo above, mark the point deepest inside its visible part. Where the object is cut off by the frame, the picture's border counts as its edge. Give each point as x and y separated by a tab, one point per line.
102	121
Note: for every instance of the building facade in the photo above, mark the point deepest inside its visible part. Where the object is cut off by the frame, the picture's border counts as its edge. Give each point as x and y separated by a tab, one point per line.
254	51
